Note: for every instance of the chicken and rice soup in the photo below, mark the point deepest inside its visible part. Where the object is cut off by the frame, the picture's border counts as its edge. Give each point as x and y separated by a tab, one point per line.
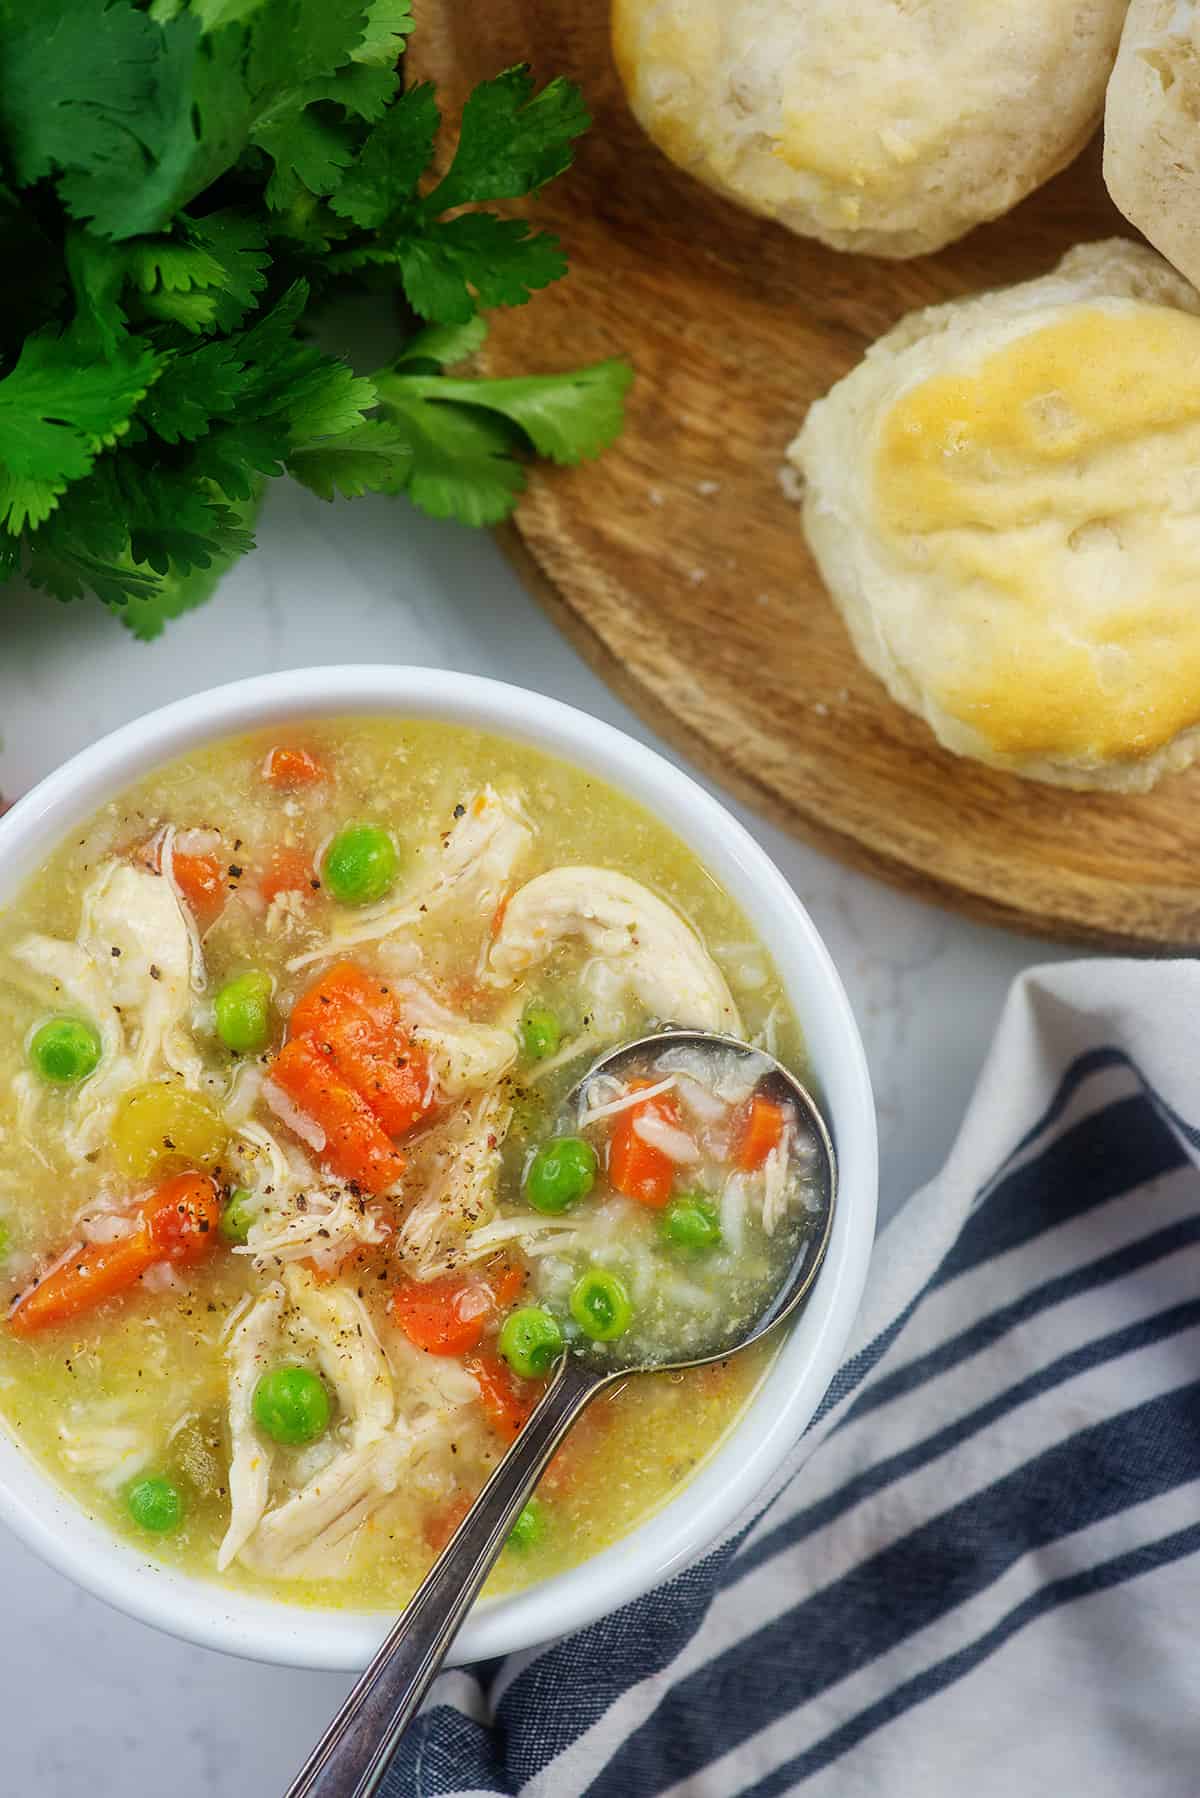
291	1225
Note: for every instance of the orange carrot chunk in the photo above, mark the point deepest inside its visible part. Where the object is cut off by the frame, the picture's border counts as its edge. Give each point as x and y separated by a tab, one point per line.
762	1128
178	1222
447	1316
290	767
506	1400
352	1018
201	880
450	1315
638	1168
356	1147
287	871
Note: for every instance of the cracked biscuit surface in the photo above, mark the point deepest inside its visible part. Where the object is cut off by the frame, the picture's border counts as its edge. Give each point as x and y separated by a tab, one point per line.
1004	502
886	126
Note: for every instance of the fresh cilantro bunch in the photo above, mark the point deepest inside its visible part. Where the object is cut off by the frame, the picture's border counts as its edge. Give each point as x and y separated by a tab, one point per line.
180	183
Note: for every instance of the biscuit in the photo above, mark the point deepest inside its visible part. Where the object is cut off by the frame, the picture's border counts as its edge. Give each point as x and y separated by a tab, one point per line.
1004	502
1151	141
886	126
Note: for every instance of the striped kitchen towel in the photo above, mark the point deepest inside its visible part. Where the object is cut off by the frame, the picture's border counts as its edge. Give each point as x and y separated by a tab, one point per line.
979	1571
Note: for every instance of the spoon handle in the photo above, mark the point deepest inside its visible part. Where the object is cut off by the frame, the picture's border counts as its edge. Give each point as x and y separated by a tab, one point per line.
352	1756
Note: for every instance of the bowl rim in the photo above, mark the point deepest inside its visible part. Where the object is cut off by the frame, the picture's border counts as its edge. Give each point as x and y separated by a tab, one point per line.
54	1524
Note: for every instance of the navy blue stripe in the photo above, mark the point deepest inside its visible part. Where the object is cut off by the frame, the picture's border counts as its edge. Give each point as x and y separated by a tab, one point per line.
1109	1153
1092	1061
1131	1258
1091	1581
1030	1200
902	1589
559	1695
1143	1334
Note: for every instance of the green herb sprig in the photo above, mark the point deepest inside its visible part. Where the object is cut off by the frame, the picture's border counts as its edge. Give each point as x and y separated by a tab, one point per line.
180	184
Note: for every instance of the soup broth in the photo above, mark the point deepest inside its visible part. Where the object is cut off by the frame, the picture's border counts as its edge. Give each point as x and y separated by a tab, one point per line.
282	1031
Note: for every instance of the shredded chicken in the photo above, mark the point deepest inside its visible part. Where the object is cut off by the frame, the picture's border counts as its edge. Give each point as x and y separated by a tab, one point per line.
320	1222
471	863
250	1464
454	1168
637	943
349	1352
464	1056
129	971
776	1184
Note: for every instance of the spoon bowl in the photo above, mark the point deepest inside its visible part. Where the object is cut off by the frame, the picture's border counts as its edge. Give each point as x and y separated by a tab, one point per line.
774	1081
351	1758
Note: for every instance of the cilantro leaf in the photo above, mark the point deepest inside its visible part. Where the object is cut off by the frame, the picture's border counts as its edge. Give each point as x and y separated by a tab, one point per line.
388	24
510	142
375	457
385	171
56	413
237	245
441	346
308	152
566	417
462	463
476	258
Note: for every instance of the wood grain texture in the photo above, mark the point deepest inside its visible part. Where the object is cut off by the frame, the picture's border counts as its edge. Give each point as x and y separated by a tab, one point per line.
676	563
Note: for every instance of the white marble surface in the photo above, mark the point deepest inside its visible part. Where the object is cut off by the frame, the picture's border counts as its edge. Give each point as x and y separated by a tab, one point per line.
91	1704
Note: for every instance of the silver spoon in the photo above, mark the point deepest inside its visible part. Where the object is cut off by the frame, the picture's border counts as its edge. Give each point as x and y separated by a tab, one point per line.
354	1753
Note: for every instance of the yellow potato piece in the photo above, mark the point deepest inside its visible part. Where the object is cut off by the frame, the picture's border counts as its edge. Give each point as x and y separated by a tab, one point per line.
163	1127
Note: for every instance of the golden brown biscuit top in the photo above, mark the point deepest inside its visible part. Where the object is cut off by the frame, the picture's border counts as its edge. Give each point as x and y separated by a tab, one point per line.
1047	495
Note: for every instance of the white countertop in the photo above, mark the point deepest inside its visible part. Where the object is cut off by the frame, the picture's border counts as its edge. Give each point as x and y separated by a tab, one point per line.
90	1703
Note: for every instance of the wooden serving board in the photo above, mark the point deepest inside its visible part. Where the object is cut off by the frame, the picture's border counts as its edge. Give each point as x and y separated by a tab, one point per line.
676	563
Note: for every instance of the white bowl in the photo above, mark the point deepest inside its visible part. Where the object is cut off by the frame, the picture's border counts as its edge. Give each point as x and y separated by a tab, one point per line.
53	1523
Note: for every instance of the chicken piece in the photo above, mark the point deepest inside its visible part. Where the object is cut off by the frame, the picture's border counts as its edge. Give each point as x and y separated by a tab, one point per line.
250	1465
133	926
465	1055
129	971
349	1352
637	943
309	1534
455	1169
316	1220
472	863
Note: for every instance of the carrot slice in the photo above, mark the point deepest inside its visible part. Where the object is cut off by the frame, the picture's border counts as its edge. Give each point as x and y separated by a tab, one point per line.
288	871
444	1317
178	1222
638	1168
506	1400
289	766
356	1147
201	880
352	1018
762	1128
451	1315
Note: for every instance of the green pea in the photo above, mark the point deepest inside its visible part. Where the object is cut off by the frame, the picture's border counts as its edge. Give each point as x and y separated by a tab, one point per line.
65	1050
540	1033
562	1171
243	1010
291	1406
238	1214
529	1528
600	1305
155	1504
691	1223
530	1341
360	865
